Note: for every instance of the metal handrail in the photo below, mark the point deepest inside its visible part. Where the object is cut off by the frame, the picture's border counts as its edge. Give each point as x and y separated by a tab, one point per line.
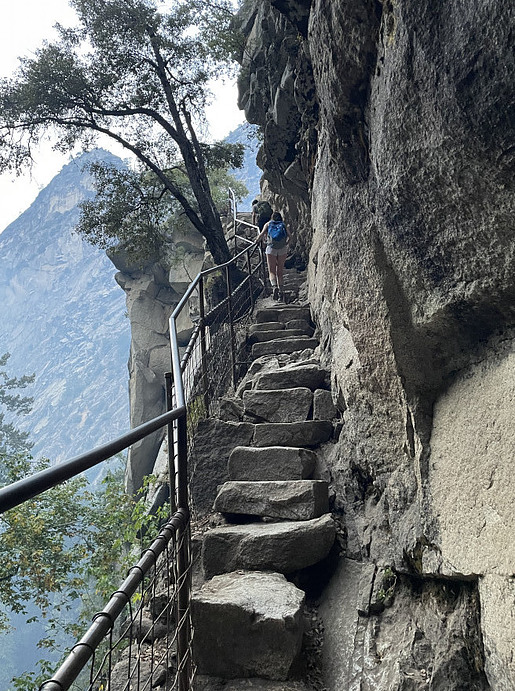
178	525
21	491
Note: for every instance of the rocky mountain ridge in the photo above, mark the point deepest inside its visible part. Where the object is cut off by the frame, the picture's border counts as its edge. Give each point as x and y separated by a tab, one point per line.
63	318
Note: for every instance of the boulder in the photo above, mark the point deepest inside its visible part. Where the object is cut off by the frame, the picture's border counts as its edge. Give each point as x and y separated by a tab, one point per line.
271	463
295	500
286	345
310	376
247	624
284	547
284	405
308	433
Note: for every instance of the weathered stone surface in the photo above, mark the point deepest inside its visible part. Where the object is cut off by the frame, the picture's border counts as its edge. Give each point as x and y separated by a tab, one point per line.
230	409
268	326
247	625
471	468
497	595
204	683
428	636
323	406
294	500
310	376
270	463
284	405
288	345
142	666
272	335
213	442
284	547
283	314
300	324
309	433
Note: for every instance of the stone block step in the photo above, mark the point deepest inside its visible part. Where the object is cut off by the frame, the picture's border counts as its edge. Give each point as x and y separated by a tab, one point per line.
267	326
270	463
283	405
292	500
263	336
309	433
282	314
283	345
311	376
285	546
247	625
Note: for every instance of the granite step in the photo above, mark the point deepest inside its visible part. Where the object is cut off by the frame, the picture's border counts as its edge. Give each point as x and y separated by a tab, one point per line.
291	500
263	336
304	434
266	326
310	376
283	345
282	405
284	547
247	624
271	463
282	314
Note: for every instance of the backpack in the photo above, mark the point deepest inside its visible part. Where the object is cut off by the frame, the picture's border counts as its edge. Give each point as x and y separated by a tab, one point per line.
277	234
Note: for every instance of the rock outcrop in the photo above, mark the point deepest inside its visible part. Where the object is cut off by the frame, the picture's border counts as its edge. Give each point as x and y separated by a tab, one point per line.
388	141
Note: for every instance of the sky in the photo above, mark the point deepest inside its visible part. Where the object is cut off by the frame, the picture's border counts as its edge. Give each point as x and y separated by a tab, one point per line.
25	25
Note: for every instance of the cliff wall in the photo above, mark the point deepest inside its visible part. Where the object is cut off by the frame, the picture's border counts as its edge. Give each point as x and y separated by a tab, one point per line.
389	131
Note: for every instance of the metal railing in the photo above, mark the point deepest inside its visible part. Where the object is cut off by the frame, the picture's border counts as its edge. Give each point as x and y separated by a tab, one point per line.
143	636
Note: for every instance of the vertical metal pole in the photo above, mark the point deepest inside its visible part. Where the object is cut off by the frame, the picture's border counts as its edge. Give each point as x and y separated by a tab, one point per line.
203	349
171	462
183	561
249	269
231	323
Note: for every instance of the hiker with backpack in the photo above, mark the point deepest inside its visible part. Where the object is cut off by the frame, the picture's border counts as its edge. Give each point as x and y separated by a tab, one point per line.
277	239
261	213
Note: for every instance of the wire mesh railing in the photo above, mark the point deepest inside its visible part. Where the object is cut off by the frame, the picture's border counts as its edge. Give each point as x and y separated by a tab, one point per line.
142	639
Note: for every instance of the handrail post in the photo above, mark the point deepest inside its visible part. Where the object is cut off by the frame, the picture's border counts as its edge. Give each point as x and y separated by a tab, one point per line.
203	349
183	560
231	323
171	445
249	269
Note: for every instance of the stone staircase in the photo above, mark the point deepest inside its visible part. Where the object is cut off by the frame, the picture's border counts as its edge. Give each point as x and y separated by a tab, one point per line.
248	615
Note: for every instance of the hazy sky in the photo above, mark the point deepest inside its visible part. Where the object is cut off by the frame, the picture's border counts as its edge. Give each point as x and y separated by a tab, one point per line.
24	26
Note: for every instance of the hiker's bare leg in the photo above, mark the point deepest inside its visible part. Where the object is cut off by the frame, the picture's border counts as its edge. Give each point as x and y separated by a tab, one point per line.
280	271
272	269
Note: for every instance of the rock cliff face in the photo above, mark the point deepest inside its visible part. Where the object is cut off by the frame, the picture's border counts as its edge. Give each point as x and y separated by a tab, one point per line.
389	133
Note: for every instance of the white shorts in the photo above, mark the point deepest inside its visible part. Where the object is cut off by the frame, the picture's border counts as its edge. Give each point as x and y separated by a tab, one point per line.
276	252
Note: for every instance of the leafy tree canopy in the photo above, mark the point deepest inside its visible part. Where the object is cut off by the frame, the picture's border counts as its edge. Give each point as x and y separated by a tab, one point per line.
137	71
134	210
72	543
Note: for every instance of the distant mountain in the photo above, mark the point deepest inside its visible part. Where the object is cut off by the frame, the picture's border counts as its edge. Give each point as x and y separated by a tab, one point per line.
62	316
249	174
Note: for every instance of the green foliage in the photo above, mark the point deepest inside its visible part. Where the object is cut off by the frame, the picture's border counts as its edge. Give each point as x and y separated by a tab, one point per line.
132	209
138	71
11	439
68	545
